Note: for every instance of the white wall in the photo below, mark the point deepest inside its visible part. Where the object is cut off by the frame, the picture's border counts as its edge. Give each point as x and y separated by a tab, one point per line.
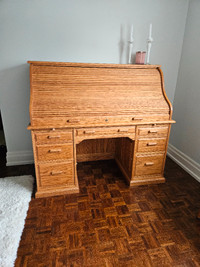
77	31
185	135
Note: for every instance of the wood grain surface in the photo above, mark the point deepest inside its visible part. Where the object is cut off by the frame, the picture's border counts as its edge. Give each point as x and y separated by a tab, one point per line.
86	112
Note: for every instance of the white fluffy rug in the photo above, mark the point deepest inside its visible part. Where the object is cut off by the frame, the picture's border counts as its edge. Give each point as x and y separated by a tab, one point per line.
15	195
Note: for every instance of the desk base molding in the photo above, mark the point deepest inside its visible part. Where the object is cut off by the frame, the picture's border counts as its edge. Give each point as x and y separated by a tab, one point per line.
146	180
56	192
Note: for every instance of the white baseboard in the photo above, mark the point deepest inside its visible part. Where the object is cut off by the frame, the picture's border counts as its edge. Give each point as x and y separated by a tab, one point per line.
188	164
19	158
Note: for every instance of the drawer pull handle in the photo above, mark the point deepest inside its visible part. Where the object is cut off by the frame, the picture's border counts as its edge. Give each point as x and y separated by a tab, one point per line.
73	121
122	130
152	131
151	144
56	173
88	132
51	137
55	150
137	119
149	163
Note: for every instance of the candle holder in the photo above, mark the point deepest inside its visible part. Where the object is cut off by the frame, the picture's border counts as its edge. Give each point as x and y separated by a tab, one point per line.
130	51
149	44
130	44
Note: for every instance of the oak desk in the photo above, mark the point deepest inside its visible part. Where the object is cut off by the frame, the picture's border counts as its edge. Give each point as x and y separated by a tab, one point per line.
82	112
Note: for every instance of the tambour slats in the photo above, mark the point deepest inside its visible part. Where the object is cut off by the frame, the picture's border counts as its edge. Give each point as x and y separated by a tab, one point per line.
74	89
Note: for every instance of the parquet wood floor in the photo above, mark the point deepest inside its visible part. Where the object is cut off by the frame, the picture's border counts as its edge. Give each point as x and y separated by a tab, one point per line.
109	224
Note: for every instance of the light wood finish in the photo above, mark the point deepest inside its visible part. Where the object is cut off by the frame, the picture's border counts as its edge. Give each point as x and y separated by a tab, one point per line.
52	137
95	149
124	155
146	165
104	132
151	145
55	174
82	111
152	131
54	152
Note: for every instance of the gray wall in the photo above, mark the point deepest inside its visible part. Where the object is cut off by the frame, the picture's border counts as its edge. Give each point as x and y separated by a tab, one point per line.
185	135
77	31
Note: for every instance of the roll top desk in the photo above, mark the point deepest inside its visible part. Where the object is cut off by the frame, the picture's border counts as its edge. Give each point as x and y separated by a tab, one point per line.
83	112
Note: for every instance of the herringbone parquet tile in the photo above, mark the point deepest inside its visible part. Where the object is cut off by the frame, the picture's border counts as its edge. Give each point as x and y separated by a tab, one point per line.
109	224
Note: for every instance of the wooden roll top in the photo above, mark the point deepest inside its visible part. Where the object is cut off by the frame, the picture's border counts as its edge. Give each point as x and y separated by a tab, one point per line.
79	94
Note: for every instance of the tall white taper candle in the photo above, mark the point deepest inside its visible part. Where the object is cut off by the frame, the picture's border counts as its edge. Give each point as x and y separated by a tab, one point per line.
130	45
149	43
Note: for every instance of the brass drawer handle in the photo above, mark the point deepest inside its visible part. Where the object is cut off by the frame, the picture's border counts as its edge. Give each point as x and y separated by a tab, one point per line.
122	130
56	173
149	163
152	131
51	137
151	144
55	150
137	119
89	132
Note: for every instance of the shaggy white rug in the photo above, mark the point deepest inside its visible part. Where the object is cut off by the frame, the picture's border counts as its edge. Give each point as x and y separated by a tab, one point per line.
15	195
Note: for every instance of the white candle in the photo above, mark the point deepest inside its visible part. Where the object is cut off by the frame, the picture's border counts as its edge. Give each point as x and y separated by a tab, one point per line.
150	31
131	37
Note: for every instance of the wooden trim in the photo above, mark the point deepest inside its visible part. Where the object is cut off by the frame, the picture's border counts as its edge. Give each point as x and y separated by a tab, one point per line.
94	157
56	192
128	125
35	160
75	159
134	153
164	93
146	180
166	149
92	65
31	93
123	171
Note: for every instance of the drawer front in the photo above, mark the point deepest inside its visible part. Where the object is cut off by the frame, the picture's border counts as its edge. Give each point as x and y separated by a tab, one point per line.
151	145
55	152
59	174
53	137
105	131
152	131
149	165
90	121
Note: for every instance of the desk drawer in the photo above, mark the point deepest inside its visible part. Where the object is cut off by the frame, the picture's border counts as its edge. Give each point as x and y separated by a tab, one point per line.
53	137
57	174
55	152
91	121
152	131
104	131
146	165
152	145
